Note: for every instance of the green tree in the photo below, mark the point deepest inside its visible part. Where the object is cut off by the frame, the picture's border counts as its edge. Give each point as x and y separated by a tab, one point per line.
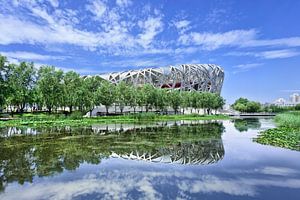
149	95
91	85
132	97
175	99
106	95
122	92
186	99
161	99
217	102
252	106
140	97
21	82
50	86
72	85
4	75
297	107
244	105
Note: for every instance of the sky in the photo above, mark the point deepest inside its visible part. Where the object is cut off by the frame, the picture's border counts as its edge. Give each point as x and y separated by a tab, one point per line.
256	42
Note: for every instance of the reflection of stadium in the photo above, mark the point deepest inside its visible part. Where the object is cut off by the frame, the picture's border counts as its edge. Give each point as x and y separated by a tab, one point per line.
202	152
199	77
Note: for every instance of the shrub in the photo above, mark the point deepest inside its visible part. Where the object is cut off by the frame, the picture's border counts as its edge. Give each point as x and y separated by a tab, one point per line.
76	115
145	116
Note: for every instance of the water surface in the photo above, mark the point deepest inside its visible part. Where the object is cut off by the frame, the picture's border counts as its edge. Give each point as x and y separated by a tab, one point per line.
168	160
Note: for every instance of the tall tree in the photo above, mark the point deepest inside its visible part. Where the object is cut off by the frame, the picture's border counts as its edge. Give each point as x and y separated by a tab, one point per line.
72	85
91	85
132	97
149	96
161	99
106	95
50	86
21	82
4	73
122	90
175	99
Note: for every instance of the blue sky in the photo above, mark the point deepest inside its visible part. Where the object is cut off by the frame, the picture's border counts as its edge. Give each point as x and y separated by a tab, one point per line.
257	42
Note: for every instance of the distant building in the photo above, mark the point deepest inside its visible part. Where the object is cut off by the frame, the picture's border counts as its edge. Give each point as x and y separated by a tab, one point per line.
295	98
280	102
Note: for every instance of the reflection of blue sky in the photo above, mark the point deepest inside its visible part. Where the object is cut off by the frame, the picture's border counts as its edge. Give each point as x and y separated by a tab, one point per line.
243	173
147	184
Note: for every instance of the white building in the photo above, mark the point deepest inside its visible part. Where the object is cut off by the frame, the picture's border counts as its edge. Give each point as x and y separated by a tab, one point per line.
280	102
295	98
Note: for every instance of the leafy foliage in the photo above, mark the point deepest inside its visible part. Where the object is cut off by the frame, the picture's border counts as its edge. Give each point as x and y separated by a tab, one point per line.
287	134
244	105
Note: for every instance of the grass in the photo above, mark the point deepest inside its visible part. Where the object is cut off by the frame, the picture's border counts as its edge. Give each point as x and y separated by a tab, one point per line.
45	120
287	133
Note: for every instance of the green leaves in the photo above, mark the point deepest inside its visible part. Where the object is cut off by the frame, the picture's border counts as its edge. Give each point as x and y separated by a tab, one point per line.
287	135
244	105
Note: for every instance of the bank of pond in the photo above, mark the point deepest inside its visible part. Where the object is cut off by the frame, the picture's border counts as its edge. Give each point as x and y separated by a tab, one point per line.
286	134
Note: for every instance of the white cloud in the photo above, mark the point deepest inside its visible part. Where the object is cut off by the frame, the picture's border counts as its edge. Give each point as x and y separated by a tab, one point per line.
123	3
272	54
285	53
151	27
236	38
246	67
23	55
182	24
54	3
212	41
97	8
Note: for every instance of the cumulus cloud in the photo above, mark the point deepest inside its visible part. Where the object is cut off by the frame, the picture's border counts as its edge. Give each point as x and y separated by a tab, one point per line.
151	27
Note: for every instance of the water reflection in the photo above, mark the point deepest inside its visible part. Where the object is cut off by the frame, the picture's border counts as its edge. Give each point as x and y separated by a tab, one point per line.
244	124
26	153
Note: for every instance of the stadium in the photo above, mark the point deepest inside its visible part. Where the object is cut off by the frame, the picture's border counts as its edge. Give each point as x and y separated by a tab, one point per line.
189	77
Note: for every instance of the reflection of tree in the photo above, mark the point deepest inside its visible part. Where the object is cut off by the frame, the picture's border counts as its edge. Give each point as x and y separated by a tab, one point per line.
247	123
24	156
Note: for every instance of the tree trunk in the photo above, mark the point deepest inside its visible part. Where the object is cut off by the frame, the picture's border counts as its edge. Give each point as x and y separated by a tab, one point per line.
106	107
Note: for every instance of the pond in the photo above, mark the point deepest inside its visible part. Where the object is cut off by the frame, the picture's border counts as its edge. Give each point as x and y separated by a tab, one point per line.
166	160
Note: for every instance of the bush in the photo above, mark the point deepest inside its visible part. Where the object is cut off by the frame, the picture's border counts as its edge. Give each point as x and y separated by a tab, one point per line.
244	105
297	107
76	115
145	116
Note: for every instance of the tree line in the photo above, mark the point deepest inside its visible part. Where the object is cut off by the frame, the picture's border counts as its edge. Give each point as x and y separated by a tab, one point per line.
22	86
248	106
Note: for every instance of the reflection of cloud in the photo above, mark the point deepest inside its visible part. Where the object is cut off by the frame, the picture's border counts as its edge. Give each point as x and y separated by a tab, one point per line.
104	189
119	184
281	171
210	184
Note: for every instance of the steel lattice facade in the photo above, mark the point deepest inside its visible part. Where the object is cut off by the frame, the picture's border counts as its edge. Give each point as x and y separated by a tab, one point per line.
191	77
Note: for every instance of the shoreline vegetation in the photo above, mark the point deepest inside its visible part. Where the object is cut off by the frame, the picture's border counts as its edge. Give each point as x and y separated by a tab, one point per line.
286	134
46	120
